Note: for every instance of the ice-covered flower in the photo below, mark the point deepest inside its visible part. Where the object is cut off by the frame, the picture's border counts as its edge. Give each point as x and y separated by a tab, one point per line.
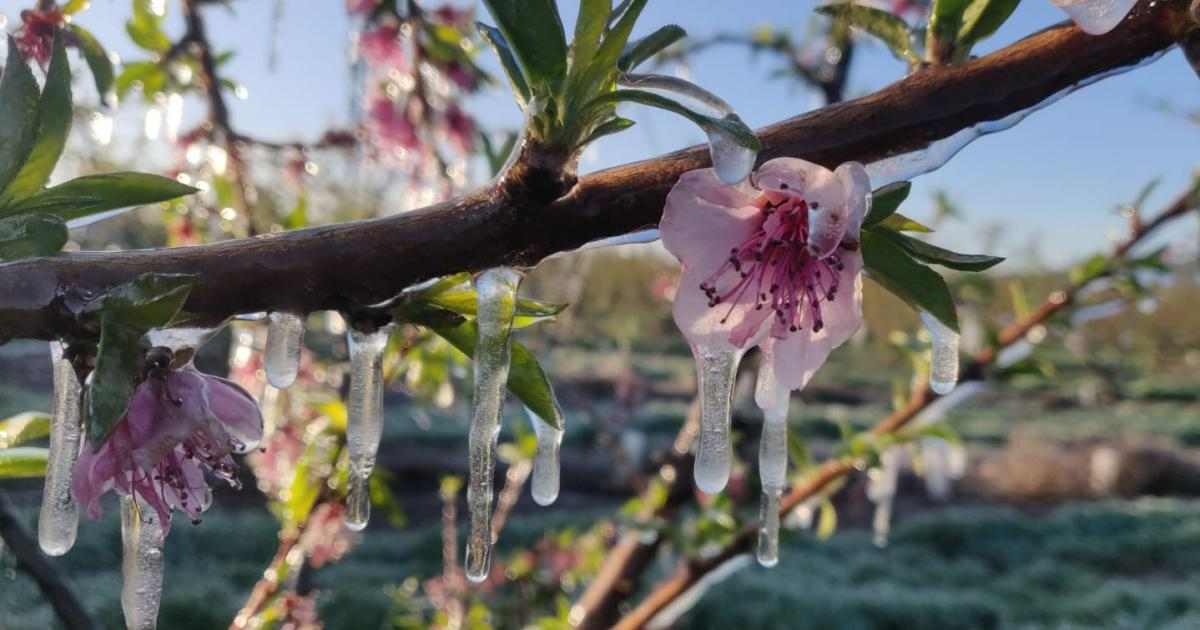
1096	17
773	262
35	39
179	426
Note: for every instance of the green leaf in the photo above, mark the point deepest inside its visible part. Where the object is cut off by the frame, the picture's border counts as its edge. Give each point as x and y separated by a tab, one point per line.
149	301
980	20
608	128
145	28
534	30
23	427
945	18
897	222
827	520
885	201
23	462
888	28
53	125
113	377
589	28
18	123
91	194
918	285
601	73
507	61
145	72
1090	269
730	124
97	60
934	255
31	235
465	302
650	45
75	6
526	378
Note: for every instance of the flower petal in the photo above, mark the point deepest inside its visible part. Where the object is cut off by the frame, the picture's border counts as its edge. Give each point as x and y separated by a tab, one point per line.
823	191
856	185
237	411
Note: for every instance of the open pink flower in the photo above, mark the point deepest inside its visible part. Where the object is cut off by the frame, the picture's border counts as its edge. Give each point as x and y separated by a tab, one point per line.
178	426
35	38
774	264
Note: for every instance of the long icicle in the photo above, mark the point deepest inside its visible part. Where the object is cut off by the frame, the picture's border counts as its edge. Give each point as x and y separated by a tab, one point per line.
285	336
716	371
364	426
881	490
496	290
142	537
58	521
772	469
545	481
943	360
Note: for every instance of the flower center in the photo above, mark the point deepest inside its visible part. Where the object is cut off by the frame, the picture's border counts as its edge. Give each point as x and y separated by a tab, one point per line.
774	269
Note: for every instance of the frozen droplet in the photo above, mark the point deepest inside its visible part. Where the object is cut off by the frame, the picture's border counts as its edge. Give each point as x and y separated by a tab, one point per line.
732	161
943	361
364	424
142	537
285	335
716	371
496	291
1096	17
545	480
58	520
768	529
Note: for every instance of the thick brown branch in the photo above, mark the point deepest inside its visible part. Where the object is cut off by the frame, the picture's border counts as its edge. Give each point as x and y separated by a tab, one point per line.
353	264
690	573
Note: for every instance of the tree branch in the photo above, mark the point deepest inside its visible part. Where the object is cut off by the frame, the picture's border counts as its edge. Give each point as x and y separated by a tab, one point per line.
690	573
349	265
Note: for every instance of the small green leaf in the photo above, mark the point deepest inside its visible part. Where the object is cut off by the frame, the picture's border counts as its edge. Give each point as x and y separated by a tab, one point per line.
134	72
1090	269
918	285
113	377
526	378
149	301
23	427
464	301
885	201
145	28
92	194
24	462
897	222
888	28
31	235
980	20
934	255
614	125
75	6
731	124
650	45
507	61
600	74
18	124
945	18
589	28
97	60
53	125
827	520
535	32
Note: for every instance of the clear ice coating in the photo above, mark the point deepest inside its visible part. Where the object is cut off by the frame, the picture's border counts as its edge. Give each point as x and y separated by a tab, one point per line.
716	371
142	537
285	334
545	479
943	360
1096	17
364	425
496	290
58	520
732	162
772	469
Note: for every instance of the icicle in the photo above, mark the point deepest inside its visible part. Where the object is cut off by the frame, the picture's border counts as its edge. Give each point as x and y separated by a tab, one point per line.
943	362
285	334
364	426
732	162
772	469
881	490
142	538
716	370
544	484
58	521
496	290
1096	17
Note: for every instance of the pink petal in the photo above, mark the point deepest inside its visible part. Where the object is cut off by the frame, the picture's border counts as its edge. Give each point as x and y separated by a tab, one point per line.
237	411
798	356
856	185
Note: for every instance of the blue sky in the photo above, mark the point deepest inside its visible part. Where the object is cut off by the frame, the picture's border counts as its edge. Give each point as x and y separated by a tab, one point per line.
1056	177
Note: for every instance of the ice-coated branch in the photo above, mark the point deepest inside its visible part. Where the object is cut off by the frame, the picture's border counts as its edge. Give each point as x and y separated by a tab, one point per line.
690	573
348	265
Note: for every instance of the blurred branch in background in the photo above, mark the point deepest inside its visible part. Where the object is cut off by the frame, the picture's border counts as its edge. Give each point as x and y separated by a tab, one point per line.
691	573
66	606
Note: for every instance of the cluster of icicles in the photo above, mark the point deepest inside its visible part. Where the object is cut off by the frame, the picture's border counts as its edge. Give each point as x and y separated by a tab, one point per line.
716	373
143	535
